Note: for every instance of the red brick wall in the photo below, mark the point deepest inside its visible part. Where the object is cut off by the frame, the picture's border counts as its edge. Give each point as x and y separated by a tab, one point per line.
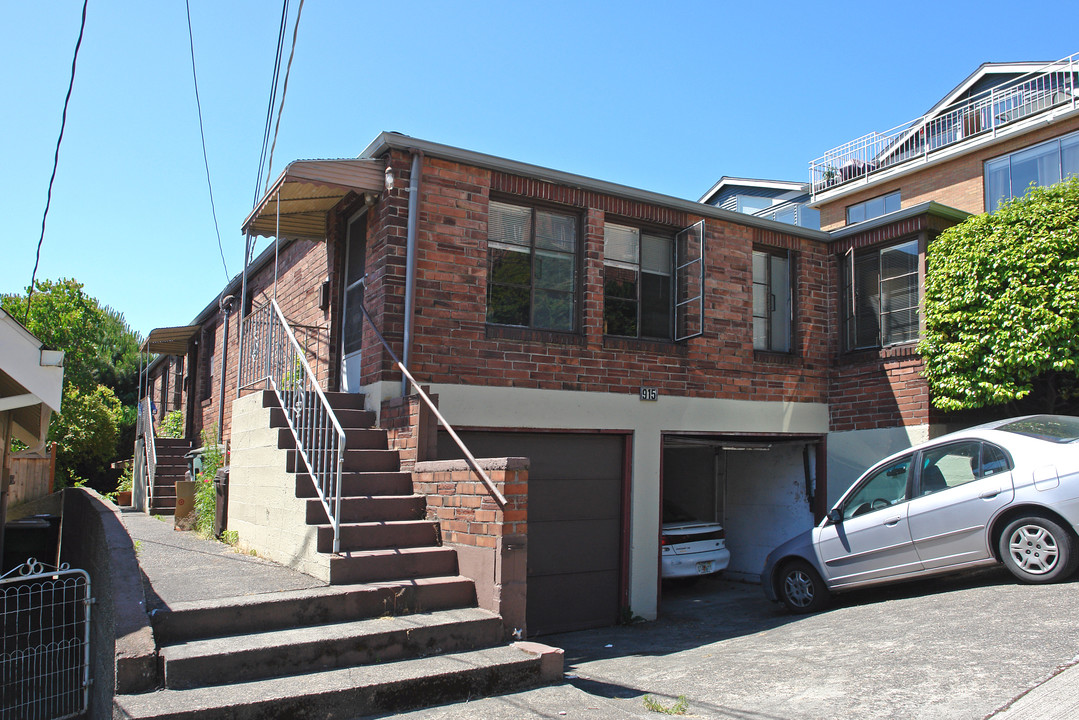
879	389
467	513
958	183
453	344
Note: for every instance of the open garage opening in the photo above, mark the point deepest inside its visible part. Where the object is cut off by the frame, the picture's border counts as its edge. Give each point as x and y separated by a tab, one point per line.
762	490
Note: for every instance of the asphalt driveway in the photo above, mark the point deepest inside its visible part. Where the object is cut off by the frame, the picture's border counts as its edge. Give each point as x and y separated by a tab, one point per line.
962	647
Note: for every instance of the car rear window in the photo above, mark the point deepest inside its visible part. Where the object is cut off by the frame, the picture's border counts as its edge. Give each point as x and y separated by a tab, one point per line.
1052	428
677	538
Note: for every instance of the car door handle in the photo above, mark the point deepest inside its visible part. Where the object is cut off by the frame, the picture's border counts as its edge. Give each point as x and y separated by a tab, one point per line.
989	494
893	522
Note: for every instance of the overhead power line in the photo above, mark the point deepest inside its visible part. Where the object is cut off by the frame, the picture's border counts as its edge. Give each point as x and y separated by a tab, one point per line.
56	160
272	102
284	89
202	133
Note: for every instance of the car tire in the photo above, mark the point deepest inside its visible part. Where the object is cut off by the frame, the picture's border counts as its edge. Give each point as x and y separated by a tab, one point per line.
801	588
1038	550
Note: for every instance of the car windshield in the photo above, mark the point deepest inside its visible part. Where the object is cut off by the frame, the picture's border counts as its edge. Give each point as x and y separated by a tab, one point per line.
1052	428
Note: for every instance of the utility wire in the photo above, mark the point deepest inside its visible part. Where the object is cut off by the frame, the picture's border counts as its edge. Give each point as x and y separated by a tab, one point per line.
272	101
202	132
55	161
284	89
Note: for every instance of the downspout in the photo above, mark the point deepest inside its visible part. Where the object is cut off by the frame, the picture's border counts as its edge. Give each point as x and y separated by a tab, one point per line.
243	306
225	304
410	259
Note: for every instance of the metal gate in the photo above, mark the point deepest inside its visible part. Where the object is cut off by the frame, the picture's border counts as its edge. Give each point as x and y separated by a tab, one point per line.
45	650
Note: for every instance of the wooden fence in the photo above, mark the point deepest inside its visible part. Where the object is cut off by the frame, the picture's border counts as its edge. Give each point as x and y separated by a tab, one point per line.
32	475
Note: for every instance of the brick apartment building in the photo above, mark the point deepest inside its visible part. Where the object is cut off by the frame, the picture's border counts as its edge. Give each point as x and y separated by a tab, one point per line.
645	353
884	197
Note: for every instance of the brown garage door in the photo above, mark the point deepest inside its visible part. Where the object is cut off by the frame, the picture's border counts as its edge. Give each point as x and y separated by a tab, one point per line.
574	523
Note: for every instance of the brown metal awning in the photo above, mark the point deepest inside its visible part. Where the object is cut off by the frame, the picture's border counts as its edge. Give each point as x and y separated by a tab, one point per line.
299	202
170	340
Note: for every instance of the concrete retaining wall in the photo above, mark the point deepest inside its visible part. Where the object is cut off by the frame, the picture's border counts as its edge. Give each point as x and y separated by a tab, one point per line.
122	653
263	508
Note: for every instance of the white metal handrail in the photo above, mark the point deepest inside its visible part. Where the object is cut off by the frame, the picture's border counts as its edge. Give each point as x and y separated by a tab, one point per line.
271	354
498	497
1050	86
145	430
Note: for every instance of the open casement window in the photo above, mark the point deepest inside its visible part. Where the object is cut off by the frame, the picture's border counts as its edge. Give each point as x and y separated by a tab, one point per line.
881	296
637	283
772	300
531	267
689	282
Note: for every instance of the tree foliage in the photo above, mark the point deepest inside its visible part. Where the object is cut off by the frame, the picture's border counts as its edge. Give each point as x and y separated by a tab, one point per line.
1002	305
101	366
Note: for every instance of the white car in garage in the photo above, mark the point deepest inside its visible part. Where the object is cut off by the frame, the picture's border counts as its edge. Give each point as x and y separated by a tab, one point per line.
690	548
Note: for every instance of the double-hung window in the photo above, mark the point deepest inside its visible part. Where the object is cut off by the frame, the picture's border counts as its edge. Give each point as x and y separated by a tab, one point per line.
881	296
1044	164
771	300
637	283
531	267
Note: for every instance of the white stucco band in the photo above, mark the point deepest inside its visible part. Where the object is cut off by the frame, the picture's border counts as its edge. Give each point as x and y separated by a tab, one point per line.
645	422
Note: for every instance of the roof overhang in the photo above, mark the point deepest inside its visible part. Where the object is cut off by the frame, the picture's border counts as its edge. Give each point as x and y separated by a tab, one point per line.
31	381
395	141
299	202
929	207
170	340
727	181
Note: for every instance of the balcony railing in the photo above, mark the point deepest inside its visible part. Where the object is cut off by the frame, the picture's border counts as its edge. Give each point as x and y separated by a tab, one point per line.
1051	86
271	355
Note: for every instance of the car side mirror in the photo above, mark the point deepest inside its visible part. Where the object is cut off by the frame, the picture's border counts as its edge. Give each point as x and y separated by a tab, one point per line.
835	516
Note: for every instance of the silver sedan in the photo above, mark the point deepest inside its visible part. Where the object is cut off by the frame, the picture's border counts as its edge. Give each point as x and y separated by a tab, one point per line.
1006	491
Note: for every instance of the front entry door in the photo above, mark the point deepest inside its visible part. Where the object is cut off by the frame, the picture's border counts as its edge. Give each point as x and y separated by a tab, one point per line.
352	325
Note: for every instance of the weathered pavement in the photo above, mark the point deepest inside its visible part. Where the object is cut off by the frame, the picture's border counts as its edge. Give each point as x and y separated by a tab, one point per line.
968	647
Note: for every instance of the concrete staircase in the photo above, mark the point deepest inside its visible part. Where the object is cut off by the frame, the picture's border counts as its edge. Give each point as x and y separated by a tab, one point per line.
395	628
171	466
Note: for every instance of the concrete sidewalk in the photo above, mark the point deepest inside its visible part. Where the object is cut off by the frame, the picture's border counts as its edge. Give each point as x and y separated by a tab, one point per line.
971	647
965	648
179	566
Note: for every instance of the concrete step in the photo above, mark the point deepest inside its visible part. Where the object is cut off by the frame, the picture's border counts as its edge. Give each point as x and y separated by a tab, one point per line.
355	439
381	535
279	653
362	566
361	483
194	620
375	508
353	692
355	461
347	418
337	400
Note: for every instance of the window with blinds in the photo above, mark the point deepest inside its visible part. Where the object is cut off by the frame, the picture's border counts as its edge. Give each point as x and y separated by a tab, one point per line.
531	267
637	283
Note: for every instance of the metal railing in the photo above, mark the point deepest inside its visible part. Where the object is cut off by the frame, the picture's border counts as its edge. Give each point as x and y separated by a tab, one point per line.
498	497
148	461
271	354
45	642
1051	86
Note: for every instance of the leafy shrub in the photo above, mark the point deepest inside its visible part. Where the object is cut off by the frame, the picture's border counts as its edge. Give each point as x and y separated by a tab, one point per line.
205	492
172	425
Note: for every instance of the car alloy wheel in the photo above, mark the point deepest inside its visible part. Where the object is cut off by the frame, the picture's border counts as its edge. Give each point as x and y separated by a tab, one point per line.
1038	550
802	589
1034	549
798	588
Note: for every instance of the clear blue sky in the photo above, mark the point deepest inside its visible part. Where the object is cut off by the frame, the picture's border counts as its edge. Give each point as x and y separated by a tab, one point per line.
663	96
